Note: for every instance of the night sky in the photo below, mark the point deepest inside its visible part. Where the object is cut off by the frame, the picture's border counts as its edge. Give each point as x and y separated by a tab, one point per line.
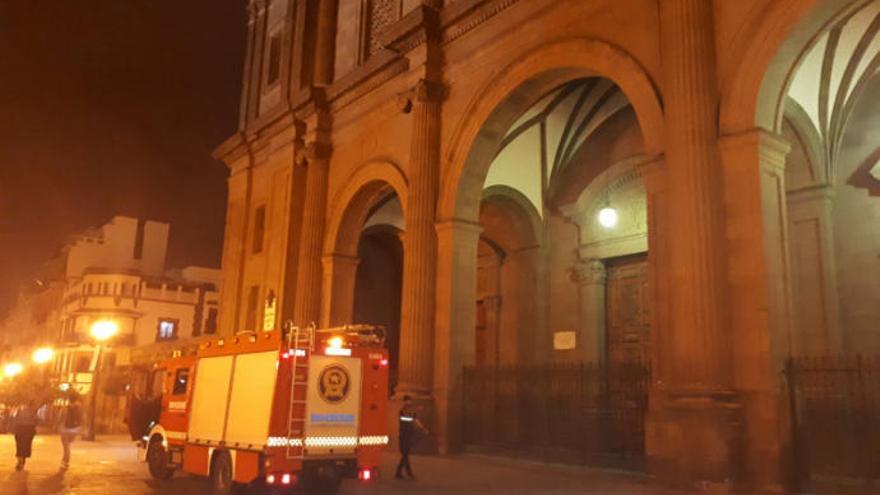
113	107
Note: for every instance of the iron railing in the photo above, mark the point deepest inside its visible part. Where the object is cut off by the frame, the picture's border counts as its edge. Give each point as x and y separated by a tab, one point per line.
573	413
836	418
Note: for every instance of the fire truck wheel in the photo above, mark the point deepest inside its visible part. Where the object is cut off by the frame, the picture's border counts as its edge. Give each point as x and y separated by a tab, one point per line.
221	474
157	460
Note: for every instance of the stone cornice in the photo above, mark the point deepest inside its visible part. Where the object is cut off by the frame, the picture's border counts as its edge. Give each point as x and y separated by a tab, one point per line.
382	67
463	16
414	29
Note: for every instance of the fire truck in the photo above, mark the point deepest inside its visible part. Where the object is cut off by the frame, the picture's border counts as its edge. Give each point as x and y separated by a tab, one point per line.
269	409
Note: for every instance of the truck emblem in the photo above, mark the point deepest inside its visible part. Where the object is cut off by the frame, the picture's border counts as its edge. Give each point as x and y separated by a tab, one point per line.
333	384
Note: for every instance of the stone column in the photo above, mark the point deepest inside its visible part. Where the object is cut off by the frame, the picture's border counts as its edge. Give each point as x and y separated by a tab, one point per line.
325	43
307	308
456	280
340	278
653	174
758	275
815	303
692	430
420	245
591	339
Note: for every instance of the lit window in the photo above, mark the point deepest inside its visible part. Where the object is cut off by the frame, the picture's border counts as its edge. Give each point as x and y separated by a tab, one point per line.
181	378
167	329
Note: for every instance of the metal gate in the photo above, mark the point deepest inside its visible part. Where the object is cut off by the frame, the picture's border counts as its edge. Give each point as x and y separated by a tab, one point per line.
835	404
576	413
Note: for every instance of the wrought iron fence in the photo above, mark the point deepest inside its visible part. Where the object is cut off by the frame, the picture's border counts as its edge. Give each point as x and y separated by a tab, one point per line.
836	413
574	413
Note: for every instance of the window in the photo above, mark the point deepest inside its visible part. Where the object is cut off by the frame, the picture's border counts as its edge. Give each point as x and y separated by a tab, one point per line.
250	318
211	321
274	65
181	379
167	329
259	228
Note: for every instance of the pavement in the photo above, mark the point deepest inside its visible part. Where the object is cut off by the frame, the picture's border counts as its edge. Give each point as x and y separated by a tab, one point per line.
109	466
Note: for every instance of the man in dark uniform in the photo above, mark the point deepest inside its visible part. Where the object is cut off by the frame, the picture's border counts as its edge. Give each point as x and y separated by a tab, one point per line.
409	422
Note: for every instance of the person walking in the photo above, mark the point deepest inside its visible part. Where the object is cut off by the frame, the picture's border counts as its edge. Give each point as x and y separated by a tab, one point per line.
24	427
71	420
408	423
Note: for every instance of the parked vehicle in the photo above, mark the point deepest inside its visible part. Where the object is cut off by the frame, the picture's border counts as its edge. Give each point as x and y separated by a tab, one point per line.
273	409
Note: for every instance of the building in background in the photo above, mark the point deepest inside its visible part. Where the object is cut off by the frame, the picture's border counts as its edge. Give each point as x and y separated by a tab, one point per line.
115	273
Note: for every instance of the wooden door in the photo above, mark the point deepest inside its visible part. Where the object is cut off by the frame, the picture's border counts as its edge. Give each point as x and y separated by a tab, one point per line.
627	310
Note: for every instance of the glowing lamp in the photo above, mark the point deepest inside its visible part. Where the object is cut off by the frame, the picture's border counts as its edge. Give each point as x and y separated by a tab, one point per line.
335	343
13	369
43	355
608	217
102	330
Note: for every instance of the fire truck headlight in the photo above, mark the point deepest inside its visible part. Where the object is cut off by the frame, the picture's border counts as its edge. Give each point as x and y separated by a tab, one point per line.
270	479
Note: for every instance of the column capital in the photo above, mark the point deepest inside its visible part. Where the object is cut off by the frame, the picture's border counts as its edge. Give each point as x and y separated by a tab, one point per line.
446	226
428	91
771	148
340	259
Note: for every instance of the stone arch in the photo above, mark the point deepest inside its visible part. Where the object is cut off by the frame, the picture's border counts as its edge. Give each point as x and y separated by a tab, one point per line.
502	99
350	209
507	267
352	204
524	218
755	89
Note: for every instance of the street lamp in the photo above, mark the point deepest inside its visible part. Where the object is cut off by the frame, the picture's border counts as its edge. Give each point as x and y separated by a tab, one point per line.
101	331
104	330
11	370
43	355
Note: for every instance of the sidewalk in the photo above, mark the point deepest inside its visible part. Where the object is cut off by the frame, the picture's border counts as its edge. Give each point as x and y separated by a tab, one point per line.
109	467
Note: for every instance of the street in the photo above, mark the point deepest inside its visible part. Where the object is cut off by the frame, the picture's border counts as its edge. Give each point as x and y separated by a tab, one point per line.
109	467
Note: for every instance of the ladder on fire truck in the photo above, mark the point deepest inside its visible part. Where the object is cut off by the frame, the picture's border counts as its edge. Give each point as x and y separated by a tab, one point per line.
300	344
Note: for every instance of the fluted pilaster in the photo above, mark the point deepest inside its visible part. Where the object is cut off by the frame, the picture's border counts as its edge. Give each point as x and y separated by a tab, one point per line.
697	251
307	308
420	248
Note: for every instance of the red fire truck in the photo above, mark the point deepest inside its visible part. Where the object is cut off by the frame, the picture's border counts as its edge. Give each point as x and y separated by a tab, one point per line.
269	409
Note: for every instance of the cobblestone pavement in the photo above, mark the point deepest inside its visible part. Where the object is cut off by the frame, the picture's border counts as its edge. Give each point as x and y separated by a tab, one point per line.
109	467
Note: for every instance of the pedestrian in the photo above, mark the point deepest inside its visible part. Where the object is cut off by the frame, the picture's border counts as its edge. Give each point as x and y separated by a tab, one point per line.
409	422
70	424
24	427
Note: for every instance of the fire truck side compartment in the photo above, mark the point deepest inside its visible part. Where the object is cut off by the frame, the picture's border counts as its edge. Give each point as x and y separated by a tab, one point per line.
250	406
210	398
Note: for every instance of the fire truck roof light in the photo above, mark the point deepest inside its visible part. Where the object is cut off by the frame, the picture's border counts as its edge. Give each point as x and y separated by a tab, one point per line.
335	343
335	351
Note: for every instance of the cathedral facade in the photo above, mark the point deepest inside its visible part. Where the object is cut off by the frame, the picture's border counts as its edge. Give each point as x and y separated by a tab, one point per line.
690	184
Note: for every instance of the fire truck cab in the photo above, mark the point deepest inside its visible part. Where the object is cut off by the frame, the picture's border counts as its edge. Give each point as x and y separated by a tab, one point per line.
269	409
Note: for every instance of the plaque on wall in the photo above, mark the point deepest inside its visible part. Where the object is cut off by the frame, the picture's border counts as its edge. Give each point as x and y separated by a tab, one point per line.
564	341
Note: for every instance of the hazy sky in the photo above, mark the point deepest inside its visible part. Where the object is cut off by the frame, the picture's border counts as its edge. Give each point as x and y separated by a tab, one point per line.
113	107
